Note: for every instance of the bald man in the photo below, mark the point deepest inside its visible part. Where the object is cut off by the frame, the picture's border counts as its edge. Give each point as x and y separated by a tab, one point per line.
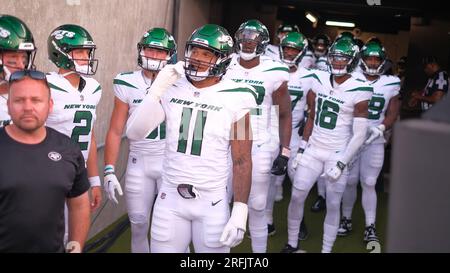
39	170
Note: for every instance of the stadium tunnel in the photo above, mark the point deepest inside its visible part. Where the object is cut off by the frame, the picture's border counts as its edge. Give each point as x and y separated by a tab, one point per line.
407	28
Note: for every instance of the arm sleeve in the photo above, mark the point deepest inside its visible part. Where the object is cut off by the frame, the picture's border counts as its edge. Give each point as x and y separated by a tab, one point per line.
147	116
360	126
81	183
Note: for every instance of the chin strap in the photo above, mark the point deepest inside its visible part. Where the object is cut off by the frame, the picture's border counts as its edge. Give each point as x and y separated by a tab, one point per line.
68	73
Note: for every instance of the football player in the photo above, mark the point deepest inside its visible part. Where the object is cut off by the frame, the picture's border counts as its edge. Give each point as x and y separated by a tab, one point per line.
155	49
336	128
293	48
383	112
17	51
75	94
321	43
201	111
269	78
273	50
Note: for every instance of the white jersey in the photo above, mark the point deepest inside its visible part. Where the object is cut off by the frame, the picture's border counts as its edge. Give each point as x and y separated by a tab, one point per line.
4	117
131	89
266	78
334	107
321	63
300	82
273	52
74	111
199	123
384	89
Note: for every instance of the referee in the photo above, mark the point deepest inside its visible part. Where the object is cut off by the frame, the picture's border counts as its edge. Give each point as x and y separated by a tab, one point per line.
39	170
437	86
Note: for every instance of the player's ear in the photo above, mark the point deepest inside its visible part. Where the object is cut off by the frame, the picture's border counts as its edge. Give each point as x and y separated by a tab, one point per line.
50	105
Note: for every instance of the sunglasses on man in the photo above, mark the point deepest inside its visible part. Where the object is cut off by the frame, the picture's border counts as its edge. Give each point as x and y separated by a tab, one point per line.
34	74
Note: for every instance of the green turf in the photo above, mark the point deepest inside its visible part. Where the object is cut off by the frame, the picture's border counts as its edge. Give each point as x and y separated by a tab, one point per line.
353	243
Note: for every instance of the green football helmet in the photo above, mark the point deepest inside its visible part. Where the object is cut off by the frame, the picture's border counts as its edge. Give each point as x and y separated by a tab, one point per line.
157	38
63	40
251	31
373	49
294	40
343	51
15	36
215	39
345	35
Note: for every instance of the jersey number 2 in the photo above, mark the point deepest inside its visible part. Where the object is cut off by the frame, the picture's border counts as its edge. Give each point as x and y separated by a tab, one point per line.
197	138
82	130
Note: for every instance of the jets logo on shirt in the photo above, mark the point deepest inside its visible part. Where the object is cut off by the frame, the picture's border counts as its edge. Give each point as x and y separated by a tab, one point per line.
55	156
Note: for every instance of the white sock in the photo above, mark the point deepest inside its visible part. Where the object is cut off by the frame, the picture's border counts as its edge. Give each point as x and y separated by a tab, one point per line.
331	223
257	224
295	215
369	203
139	238
348	200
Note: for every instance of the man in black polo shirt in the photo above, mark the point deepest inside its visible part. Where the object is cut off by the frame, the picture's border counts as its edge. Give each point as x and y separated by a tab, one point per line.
437	85
39	170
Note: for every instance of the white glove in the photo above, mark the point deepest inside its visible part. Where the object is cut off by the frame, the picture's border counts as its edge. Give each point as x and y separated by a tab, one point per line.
111	184
375	132
234	231
166	77
335	172
297	158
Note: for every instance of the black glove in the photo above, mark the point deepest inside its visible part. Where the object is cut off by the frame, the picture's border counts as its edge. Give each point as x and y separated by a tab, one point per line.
280	163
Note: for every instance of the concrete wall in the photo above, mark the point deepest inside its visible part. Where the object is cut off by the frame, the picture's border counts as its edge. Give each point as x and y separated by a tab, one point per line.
191	15
419	207
116	26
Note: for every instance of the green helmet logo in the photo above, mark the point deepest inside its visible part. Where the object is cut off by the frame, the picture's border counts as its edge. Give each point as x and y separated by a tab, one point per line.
293	40
373	49
160	39
249	33
214	39
15	36
343	57
61	43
